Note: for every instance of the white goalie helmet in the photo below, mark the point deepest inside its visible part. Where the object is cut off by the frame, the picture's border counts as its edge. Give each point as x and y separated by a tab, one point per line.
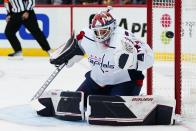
103	25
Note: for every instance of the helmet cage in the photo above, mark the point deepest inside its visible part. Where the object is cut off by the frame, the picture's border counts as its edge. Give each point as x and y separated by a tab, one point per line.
103	32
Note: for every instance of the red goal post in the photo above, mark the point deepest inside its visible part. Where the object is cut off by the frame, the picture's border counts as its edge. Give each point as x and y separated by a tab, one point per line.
176	50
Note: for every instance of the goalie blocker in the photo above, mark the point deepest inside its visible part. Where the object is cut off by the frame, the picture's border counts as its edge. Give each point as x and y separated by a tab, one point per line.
106	110
68	53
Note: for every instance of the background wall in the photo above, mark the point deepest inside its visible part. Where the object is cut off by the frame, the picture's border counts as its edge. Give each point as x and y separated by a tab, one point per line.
57	22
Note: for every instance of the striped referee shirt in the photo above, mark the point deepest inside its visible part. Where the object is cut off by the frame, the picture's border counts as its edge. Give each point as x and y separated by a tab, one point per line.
17	6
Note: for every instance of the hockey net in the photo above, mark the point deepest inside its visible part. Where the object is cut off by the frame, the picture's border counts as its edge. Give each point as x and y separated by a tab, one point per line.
174	72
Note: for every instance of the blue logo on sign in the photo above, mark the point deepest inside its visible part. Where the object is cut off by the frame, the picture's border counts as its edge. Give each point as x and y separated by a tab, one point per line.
22	31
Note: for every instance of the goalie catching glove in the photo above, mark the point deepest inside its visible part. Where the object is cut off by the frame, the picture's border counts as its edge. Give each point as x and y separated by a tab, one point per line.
68	53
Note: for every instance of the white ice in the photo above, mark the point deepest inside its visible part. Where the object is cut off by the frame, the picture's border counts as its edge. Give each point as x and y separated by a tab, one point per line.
20	79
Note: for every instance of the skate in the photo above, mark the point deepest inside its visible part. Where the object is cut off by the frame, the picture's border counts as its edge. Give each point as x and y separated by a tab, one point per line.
16	55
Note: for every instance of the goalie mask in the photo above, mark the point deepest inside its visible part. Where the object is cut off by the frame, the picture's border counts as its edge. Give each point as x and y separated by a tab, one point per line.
103	25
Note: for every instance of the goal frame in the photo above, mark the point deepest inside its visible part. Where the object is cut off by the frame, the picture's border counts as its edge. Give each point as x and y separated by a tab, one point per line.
177	51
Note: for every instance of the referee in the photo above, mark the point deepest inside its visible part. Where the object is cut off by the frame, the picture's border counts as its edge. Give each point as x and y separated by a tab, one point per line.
20	12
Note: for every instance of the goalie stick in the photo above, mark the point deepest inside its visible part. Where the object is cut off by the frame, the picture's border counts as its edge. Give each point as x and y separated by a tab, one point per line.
55	73
48	81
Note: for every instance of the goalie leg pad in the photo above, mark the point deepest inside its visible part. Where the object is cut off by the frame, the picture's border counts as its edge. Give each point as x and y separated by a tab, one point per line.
127	111
70	106
63	105
48	110
163	115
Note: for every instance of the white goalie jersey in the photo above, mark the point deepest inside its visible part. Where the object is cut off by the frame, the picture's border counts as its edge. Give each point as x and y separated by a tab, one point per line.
111	60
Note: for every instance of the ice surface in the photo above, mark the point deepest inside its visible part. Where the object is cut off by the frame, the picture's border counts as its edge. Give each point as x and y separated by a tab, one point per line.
20	79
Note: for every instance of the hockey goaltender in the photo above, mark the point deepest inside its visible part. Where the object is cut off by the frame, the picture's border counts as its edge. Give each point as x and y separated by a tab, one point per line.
110	93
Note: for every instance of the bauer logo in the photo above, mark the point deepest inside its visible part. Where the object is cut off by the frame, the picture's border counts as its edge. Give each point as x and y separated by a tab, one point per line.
24	34
142	99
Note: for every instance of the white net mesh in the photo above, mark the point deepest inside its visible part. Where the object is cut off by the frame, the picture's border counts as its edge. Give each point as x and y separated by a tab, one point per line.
163	46
163	3
189	58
